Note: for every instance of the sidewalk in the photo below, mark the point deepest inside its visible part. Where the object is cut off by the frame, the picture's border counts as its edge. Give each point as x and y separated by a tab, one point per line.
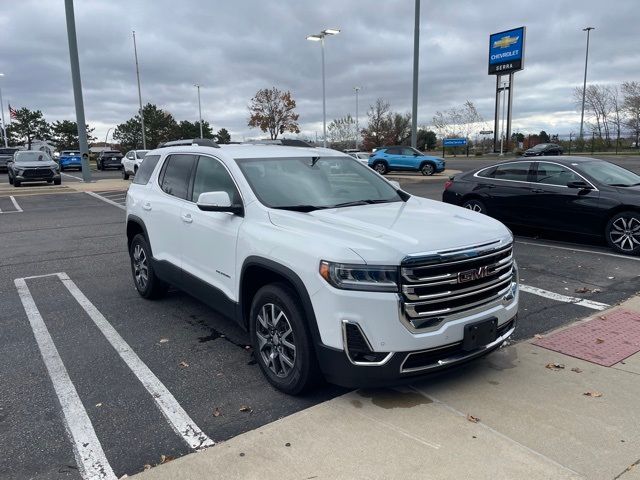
534	423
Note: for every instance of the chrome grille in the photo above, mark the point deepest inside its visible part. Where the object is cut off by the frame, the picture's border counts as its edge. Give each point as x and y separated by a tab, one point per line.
37	173
446	283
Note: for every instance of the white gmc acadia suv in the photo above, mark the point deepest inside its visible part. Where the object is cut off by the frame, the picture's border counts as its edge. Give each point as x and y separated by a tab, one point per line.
332	269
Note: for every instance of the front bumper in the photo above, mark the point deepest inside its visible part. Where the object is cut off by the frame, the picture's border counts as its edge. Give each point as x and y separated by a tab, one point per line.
40	178
403	367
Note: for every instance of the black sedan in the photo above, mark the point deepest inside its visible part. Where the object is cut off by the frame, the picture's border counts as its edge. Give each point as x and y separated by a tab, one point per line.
572	194
543	150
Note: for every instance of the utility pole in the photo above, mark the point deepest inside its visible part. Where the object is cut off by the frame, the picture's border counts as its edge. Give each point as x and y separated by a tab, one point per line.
357	89
199	109
416	51
4	125
135	53
584	85
77	89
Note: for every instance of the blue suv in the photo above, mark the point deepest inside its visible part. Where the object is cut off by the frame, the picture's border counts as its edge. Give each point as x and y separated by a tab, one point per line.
386	159
70	159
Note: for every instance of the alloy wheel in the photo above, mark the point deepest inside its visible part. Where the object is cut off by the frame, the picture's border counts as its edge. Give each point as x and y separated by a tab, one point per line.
427	169
625	233
276	341
140	267
474	206
380	168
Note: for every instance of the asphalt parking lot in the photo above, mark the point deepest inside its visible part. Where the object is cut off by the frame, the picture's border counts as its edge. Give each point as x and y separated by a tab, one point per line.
66	290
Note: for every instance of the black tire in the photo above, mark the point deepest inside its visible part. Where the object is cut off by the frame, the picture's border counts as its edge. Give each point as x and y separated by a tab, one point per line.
10	179
120	167
151	286
17	183
475	205
57	181
380	167
303	374
61	168
135	170
98	165
427	169
623	233
125	175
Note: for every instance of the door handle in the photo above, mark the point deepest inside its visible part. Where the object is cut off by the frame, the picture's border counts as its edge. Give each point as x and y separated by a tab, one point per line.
146	206
186	218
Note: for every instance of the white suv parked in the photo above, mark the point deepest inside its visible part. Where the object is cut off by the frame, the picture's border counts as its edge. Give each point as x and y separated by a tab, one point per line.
131	162
333	270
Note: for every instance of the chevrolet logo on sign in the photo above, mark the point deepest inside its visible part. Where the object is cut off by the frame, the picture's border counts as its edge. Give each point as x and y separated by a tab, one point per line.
505	42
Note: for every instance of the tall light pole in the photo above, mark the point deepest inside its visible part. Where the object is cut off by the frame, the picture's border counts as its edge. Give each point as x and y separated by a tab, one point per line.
107	135
357	89
4	126
584	85
416	51
320	38
77	89
199	108
135	53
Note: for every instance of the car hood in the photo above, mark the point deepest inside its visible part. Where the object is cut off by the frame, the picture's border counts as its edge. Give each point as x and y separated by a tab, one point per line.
35	164
386	233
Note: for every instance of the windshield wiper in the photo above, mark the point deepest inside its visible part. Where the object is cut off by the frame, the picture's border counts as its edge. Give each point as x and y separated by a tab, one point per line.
623	185
300	208
361	202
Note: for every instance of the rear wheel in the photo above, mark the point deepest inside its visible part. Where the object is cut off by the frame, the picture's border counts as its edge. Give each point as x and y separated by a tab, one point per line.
125	175
427	169
98	165
475	205
146	282
281	341
380	167
623	233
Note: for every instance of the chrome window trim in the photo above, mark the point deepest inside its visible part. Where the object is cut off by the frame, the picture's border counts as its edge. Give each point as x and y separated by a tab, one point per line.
346	348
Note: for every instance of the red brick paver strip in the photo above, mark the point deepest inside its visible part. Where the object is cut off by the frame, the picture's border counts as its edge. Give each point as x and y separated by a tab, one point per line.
605	340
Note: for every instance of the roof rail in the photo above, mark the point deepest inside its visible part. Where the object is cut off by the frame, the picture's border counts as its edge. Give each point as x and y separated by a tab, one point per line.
202	142
287	142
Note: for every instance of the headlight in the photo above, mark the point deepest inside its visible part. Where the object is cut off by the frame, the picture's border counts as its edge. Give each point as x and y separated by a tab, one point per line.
373	278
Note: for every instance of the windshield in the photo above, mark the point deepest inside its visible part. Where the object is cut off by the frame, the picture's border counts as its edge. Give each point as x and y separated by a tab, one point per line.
307	184
141	153
610	174
31	156
540	146
68	153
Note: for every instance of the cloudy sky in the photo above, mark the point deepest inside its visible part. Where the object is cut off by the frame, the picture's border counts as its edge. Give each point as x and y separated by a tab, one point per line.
233	48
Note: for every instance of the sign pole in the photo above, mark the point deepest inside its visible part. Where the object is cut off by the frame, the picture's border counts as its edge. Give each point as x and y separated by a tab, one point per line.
496	125
509	104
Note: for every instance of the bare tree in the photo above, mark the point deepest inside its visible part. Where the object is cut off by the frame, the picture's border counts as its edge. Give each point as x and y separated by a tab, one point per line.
397	128
597	107
616	118
458	121
273	111
374	134
342	132
631	106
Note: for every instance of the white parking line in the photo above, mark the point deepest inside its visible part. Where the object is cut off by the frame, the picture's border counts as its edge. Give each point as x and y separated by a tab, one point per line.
606	254
91	460
72	176
104	199
179	420
15	204
564	298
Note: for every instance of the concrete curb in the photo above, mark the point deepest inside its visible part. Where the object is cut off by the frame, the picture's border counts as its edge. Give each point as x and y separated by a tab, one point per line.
418	178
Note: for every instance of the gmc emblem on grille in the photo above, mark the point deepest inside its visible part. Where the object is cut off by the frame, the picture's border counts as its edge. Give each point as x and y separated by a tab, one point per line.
474	274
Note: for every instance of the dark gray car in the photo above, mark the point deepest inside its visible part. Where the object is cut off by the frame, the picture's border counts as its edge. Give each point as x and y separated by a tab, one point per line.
32	166
6	155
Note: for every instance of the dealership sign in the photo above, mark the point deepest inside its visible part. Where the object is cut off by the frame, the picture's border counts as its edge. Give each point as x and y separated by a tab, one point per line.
454	142
506	51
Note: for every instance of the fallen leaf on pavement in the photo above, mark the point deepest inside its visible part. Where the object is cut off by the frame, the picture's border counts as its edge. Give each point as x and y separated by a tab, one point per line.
538	336
554	366
147	466
247	347
166	459
602	317
164	340
576	369
99	404
183	364
596	290
244	408
599	340
583	290
216	412
472	419
592	394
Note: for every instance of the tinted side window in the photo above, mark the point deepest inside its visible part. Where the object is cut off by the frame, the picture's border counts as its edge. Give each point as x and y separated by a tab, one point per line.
487	172
554	174
177	173
212	176
407	151
512	171
392	151
146	169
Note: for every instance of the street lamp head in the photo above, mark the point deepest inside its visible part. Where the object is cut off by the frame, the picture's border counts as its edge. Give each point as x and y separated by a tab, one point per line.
314	38
586	29
331	31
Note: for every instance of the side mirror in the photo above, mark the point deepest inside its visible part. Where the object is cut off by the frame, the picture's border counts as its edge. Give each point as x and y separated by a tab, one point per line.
579	185
218	202
395	183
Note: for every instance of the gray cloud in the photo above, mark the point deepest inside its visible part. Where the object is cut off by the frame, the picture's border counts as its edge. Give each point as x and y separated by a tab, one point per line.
234	48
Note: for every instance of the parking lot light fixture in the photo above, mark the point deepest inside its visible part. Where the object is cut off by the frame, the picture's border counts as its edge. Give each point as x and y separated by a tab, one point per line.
319	37
4	127
584	84
199	108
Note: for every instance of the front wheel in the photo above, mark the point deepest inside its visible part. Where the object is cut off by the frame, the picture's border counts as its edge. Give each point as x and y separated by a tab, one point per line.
623	233
144	277
17	183
57	181
475	205
98	165
380	167
427	169
281	341
125	175
10	179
